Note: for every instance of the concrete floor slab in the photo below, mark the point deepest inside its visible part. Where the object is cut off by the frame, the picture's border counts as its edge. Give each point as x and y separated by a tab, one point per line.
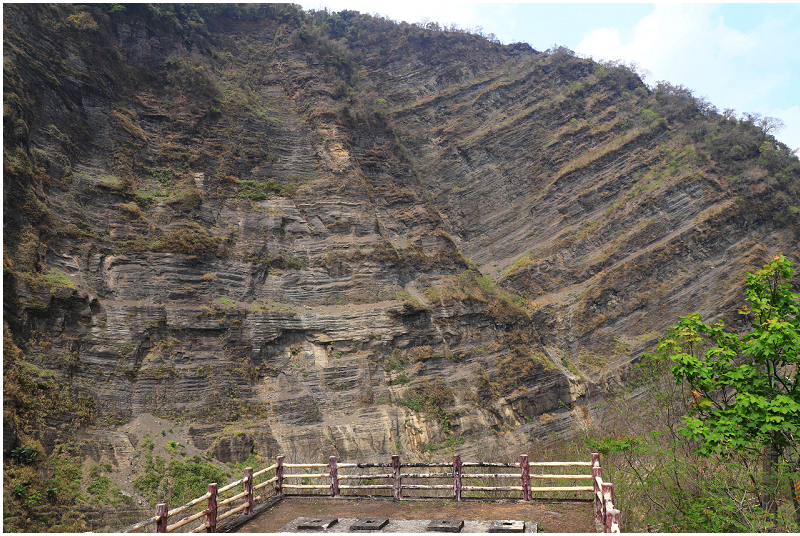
507	525
370	523
316	524
446	525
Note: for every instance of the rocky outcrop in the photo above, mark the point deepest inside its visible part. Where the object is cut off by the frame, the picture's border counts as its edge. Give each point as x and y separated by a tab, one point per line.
287	242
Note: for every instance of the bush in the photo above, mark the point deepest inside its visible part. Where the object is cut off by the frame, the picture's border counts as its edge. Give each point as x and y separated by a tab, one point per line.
26	454
258	191
660	481
193	240
190	479
431	396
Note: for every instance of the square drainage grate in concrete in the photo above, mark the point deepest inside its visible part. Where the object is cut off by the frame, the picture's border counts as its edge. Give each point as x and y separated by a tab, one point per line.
316	523
507	525
369	523
446	525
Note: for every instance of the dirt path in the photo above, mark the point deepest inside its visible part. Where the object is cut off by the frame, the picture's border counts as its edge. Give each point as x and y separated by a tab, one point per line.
559	517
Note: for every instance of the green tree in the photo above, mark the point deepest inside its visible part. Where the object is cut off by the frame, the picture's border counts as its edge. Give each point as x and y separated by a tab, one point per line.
744	386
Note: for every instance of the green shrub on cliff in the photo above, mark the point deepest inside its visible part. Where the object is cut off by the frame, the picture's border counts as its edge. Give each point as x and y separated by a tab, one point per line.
179	481
190	479
192	239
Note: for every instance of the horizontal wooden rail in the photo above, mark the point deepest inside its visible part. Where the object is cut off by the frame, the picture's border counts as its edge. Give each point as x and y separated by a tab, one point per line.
232	511
552	489
562	477
427	486
141	524
186	521
264	471
300	475
492	488
364	477
304	465
367	486
427	475
265	483
489	464
489	475
231	485
232	499
363	465
188	505
561	464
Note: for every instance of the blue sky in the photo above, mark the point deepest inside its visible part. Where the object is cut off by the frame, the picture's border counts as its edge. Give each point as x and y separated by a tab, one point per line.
741	56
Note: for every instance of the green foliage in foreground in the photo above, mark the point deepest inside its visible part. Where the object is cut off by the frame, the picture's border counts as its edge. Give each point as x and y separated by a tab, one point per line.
662	483
745	387
715	451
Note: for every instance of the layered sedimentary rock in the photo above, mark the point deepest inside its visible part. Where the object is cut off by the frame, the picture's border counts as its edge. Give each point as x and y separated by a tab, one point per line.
291	242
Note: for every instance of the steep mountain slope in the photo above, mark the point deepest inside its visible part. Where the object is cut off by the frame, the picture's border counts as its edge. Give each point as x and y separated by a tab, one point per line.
323	234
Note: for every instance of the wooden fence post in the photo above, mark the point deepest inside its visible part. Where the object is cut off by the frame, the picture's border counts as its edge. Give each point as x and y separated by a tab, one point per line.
613	497
279	476
334	476
456	477
161	511
526	477
398	484
248	487
211	509
597	472
613	521
608	490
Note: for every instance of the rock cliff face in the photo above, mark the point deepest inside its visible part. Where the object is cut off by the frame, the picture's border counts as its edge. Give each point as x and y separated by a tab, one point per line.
335	235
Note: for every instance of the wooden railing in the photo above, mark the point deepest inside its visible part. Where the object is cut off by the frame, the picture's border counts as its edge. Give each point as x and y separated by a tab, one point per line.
605	513
462	481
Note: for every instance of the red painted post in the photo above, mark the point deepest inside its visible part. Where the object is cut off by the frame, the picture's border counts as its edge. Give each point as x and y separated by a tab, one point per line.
398	484
613	497
526	476
612	519
597	471
608	489
161	511
615	521
334	476
456	477
279	476
211	508
248	487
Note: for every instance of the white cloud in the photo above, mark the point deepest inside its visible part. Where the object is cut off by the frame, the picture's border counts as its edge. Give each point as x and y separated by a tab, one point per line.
733	43
604	43
690	44
791	134
674	42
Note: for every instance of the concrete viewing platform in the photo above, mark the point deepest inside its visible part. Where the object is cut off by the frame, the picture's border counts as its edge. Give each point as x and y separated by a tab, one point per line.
375	515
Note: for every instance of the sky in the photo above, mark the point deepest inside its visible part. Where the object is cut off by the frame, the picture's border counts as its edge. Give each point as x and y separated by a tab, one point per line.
737	55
